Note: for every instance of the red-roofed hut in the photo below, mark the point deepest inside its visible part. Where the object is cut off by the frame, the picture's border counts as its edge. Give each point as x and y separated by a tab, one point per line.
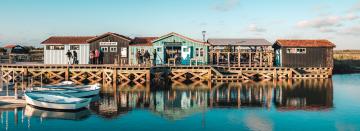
303	53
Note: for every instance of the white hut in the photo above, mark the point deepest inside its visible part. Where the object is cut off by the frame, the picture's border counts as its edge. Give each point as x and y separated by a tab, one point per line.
56	47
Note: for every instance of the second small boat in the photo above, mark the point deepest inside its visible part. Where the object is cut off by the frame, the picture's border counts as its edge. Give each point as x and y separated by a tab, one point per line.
76	91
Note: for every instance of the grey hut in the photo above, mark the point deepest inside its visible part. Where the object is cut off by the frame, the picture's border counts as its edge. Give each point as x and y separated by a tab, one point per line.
303	53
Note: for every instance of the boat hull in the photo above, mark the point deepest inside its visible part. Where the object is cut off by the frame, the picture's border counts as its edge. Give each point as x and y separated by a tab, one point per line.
48	105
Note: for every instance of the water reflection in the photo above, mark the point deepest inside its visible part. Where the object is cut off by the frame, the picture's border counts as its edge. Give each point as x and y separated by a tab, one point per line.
175	104
51	114
183	101
304	95
178	103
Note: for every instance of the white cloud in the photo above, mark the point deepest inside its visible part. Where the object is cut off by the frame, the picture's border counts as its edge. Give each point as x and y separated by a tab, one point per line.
226	5
320	22
327	30
351	16
255	28
354	30
329	23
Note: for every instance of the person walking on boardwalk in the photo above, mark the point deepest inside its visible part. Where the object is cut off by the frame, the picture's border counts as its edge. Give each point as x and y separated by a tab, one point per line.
91	57
69	55
142	57
97	54
75	60
154	59
147	57
101	56
138	57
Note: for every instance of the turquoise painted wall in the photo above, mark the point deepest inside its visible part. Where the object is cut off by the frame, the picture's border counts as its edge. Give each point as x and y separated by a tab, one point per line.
134	49
160	47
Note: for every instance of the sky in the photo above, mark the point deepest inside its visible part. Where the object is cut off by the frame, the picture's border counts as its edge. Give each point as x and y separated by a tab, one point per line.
29	22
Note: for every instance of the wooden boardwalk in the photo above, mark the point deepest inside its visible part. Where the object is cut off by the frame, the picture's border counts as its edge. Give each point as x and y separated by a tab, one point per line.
112	75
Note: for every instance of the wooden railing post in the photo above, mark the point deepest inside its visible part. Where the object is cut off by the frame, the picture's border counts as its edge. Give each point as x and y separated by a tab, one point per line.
217	58
249	59
261	59
229	61
67	73
239	56
114	78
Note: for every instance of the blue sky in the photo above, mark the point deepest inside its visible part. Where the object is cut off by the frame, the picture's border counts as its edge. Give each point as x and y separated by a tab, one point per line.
32	21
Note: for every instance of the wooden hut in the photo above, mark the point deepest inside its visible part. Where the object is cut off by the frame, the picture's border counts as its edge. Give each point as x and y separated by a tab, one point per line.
176	48
56	47
303	53
113	46
240	52
141	44
15	49
16	53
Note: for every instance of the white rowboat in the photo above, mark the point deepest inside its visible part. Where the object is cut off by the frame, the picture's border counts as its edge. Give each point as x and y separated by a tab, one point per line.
54	100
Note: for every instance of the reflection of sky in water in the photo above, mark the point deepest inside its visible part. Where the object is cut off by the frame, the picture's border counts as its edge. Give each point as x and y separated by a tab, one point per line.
256	108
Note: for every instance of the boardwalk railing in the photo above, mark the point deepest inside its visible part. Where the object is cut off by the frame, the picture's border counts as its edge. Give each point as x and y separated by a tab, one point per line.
113	74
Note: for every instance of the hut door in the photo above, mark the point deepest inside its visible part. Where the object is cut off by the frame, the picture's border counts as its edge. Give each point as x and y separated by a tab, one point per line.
186	54
277	57
159	55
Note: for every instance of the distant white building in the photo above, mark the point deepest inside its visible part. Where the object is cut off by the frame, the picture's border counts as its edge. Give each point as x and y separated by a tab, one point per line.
56	47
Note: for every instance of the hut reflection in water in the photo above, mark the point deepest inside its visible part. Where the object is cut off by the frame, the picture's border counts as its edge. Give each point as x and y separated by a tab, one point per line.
185	100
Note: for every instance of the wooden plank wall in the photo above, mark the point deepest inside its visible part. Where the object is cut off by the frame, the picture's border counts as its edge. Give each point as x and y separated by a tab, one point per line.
109	57
314	57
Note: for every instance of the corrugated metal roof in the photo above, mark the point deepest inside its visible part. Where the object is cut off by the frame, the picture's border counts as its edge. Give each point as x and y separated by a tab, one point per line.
304	43
240	42
67	40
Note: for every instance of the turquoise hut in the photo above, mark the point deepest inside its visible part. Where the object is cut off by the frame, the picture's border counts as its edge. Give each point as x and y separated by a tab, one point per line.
183	49
141	44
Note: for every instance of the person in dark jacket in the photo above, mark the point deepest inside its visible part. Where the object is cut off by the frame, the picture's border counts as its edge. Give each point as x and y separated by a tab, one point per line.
138	57
101	56
154	59
75	59
69	55
147	57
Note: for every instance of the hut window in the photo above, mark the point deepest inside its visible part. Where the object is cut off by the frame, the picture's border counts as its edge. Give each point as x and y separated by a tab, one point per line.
59	47
123	52
296	50
104	49
113	49
74	47
50	47
186	50
55	47
301	50
199	52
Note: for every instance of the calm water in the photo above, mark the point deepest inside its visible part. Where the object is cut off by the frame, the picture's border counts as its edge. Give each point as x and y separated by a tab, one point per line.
286	105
